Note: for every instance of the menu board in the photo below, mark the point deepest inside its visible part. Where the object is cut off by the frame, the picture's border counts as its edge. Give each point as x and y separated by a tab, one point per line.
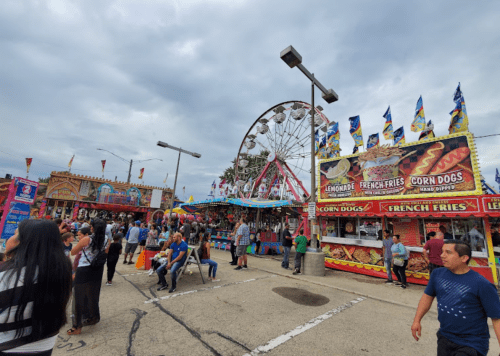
439	167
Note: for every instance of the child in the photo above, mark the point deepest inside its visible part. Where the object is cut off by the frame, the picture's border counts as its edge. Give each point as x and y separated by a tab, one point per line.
300	250
67	238
114	251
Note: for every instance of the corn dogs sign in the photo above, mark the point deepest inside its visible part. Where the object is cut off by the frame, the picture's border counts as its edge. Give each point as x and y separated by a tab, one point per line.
442	167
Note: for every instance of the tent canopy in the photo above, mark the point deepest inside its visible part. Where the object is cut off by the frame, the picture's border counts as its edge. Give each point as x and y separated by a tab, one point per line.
252	203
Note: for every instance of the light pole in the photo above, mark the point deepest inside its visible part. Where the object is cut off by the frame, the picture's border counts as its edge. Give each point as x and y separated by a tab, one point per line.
291	57
197	155
131	161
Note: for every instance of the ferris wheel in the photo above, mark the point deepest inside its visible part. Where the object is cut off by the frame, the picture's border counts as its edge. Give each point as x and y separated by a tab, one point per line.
274	156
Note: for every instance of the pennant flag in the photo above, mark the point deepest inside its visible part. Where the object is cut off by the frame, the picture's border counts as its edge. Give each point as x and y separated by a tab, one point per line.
141	174
222	182
459	119
28	164
355	130
165	180
184	190
497	177
276	187
316	140
71	161
373	141
333	136
418	123
103	162
388	130
227	191
355	149
459	97
212	190
399	136
428	133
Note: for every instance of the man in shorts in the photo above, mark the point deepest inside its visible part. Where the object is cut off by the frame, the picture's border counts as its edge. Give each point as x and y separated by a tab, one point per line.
132	241
242	242
465	302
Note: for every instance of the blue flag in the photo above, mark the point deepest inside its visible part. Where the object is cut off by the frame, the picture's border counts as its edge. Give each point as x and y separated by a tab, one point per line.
399	136
355	130
373	141
497	177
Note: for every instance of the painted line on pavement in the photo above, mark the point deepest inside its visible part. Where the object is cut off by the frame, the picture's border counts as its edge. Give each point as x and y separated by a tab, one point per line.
133	274
205	289
302	328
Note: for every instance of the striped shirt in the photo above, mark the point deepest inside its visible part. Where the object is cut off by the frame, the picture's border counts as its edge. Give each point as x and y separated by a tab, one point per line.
8	326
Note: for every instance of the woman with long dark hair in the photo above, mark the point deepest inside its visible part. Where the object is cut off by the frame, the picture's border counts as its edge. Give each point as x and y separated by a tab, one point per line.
88	279
205	257
35	286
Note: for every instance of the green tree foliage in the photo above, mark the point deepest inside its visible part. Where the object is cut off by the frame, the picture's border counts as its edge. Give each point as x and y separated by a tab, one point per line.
256	165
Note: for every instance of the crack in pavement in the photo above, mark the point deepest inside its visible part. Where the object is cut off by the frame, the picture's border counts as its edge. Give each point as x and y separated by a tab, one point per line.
135	326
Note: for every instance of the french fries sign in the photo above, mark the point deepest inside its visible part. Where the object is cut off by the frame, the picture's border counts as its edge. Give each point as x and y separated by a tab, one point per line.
441	167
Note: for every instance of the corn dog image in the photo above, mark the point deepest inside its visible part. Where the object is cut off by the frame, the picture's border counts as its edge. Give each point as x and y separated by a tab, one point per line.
450	160
425	163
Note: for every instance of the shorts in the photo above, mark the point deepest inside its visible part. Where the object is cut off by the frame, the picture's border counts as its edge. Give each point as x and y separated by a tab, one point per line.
241	250
142	243
130	248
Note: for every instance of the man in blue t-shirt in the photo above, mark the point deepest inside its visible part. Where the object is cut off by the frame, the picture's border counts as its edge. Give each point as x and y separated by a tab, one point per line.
175	259
465	301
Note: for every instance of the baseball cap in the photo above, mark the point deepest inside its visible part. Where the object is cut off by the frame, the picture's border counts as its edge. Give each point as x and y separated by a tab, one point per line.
138	222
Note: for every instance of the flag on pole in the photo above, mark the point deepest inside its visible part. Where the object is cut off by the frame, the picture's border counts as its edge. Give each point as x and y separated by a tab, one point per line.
165	180
212	190
184	190
458	121
28	164
459	97
388	130
399	136
141	174
355	130
276	187
373	141
428	133
103	162
355	149
418	123
221	187
71	162
333	137
497	177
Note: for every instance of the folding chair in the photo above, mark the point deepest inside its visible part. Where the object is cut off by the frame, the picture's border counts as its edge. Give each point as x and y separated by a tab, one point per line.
192	257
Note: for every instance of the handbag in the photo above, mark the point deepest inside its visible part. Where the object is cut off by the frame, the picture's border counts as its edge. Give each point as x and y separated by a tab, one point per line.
99	259
399	262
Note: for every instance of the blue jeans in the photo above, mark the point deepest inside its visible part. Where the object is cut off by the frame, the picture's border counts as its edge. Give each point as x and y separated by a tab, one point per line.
173	273
387	264
212	270
286	256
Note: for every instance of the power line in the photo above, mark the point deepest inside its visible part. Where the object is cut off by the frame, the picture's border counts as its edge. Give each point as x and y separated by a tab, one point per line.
498	134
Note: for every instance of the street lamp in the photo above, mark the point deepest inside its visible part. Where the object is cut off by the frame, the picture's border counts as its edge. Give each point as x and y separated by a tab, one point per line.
166	145
293	59
131	161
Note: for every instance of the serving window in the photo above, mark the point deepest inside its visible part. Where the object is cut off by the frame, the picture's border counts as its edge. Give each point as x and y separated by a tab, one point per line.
351	228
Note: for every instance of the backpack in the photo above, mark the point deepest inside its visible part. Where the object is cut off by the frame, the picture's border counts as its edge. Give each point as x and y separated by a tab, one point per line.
99	260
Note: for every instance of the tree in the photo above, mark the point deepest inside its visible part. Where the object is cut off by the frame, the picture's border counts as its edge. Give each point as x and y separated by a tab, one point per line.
43	180
256	164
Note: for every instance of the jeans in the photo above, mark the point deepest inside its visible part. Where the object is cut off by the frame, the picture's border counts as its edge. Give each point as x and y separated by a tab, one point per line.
212	270
387	264
298	260
447	348
400	272
286	256
173	273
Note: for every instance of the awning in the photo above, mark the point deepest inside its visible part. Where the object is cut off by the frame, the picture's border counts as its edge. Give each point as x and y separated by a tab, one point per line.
256	203
207	202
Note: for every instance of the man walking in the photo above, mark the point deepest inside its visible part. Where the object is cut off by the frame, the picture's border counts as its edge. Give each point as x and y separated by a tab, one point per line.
242	243
387	254
465	301
175	259
286	242
132	241
433	249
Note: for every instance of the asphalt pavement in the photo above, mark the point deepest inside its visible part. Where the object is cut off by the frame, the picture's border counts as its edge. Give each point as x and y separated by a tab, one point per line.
260	310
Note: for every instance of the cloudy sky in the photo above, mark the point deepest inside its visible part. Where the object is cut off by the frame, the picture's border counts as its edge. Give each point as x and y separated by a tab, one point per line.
121	75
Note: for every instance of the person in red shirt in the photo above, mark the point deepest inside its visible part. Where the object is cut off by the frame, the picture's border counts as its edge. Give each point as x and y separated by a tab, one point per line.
433	249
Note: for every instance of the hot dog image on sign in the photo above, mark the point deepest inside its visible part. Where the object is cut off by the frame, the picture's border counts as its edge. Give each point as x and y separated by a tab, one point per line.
443	166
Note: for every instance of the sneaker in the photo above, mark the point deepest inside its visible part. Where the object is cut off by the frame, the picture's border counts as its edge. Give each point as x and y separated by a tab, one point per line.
130	262
109	283
171	290
245	266
159	282
296	272
398	283
124	262
215	280
238	268
151	271
388	282
162	287
403	286
233	264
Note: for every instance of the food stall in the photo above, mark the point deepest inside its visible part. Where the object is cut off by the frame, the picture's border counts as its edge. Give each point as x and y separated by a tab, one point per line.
411	190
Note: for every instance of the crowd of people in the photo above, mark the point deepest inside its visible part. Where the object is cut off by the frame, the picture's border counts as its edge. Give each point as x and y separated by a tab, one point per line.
38	277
